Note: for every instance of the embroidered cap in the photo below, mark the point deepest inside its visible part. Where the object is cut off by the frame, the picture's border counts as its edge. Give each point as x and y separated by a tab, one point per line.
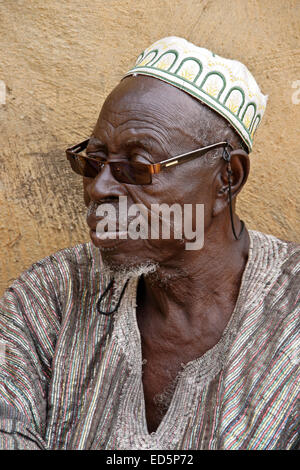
224	85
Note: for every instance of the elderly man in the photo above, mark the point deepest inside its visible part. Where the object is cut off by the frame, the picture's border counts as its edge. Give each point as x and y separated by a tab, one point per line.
125	343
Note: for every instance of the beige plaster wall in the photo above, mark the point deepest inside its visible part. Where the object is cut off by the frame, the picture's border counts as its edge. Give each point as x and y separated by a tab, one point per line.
59	59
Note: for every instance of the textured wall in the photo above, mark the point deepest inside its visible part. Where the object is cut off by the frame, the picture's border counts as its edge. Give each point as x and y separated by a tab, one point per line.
59	59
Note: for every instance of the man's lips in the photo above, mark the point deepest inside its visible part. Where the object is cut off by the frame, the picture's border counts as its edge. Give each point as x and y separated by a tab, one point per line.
93	221
107	239
111	235
108	233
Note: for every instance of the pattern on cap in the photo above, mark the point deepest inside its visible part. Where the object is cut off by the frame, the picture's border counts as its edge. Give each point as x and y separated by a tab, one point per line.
224	85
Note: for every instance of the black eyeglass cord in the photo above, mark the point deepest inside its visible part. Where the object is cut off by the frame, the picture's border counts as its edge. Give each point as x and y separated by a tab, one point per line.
105	294
227	157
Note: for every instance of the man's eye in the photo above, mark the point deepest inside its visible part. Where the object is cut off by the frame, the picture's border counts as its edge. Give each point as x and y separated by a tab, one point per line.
95	164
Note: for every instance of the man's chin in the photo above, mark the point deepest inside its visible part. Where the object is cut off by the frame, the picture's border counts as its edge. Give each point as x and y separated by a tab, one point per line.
126	266
121	254
118	259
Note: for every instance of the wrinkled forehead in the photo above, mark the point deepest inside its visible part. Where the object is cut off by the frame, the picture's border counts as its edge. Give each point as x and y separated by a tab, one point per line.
148	93
149	101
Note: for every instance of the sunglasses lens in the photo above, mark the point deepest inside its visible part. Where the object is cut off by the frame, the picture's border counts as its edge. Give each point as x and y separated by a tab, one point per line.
124	172
131	173
83	166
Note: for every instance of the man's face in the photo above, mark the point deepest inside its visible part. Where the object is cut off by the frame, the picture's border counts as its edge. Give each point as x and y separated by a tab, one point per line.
146	120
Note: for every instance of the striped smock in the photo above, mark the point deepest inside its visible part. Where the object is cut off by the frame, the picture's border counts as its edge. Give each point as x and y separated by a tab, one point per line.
71	378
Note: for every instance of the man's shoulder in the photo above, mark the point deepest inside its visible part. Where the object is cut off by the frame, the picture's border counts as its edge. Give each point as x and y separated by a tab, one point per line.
66	264
283	251
275	271
80	255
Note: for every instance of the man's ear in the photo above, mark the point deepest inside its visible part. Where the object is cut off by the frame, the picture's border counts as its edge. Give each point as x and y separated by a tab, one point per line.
239	166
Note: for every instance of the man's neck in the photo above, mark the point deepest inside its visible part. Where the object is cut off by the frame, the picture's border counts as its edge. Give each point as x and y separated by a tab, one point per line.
197	281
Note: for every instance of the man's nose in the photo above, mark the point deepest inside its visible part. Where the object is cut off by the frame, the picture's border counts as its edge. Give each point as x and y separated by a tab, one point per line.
105	186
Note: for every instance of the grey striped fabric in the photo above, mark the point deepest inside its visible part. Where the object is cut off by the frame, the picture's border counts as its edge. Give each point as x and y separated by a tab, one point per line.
71	378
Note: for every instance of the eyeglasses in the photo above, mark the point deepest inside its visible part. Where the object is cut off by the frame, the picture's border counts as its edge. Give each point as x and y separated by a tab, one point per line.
126	171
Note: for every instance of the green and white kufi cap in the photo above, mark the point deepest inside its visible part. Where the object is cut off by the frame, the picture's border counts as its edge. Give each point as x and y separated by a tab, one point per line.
224	85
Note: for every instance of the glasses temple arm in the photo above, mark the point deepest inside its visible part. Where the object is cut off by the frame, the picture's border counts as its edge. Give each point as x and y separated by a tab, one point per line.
191	155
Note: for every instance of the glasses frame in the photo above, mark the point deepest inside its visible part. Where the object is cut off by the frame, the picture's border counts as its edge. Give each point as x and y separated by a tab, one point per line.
154	168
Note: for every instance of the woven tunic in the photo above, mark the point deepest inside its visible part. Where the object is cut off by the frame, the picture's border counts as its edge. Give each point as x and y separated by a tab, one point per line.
71	378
